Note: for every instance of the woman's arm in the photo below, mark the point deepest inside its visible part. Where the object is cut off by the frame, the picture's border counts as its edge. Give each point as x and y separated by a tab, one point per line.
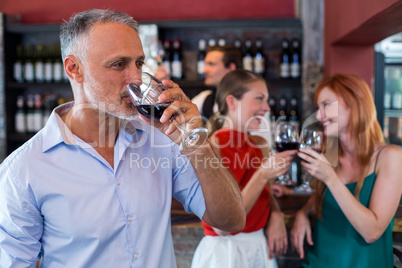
370	222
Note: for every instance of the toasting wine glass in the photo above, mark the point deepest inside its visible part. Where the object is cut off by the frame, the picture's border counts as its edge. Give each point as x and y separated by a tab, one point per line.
144	92
286	138
313	139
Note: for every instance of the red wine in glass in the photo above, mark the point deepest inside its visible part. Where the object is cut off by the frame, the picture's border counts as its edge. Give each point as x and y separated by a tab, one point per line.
285	146
153	111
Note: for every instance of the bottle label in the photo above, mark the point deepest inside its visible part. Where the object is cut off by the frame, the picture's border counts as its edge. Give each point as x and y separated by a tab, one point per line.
284	70
259	65
166	64
177	69
387	101
295	70
37	121
20	122
48	72
57	72
200	67
18	72
30	122
39	72
248	64
29	72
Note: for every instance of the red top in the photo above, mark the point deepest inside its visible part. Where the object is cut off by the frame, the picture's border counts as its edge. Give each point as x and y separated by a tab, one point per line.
243	157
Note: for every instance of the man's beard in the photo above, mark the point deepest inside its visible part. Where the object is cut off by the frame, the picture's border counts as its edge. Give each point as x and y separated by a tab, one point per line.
106	105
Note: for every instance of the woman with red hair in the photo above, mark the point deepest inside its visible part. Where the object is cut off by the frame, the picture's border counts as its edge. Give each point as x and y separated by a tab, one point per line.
355	199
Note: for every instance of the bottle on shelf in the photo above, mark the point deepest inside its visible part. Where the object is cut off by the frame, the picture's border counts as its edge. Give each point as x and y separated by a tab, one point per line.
177	61
37	113
20	119
201	57
48	63
293	115
237	44
221	42
18	67
259	59
285	59
39	64
272	106
58	68
30	117
282	115
295	60
166	60
29	71
248	56
211	42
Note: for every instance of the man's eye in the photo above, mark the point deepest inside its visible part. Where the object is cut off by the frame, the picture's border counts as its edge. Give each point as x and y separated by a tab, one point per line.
119	64
140	64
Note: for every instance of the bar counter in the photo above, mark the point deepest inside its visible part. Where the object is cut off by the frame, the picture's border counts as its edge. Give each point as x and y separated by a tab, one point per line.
187	230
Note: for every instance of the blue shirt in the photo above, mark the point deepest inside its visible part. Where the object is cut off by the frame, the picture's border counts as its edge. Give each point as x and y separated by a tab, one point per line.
61	200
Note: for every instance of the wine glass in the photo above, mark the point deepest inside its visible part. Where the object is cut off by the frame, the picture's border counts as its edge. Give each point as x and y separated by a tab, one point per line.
286	138
314	139
144	91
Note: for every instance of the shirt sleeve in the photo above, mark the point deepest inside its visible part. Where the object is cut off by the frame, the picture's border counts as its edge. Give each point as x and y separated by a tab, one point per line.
21	223
186	187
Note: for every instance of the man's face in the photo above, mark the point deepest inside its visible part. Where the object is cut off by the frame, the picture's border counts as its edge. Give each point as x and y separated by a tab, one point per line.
114	56
214	69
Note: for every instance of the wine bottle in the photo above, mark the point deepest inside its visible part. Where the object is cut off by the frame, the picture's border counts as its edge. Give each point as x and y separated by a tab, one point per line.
295	64
293	115
272	106
201	58
58	68
37	113
284	60
39	64
248	56
48	63
177	61
259	59
166	60
30	114
221	42
18	65
282	109
20	116
29	72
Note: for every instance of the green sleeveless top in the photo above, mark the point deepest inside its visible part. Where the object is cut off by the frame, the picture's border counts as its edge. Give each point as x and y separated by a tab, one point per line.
338	244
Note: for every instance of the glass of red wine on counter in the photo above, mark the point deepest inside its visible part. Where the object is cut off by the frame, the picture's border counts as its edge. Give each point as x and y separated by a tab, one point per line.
144	92
286	138
314	139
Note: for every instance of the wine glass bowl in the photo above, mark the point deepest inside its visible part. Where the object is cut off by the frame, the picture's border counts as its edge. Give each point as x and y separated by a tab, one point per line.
311	138
144	91
286	138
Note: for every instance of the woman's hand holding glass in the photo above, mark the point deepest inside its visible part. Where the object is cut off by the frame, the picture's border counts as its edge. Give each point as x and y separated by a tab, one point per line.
286	138
311	138
277	165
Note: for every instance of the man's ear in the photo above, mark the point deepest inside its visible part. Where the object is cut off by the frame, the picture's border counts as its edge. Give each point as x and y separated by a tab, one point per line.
73	68
232	66
231	101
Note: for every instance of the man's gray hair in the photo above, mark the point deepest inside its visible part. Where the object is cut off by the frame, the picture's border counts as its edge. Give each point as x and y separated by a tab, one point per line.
81	24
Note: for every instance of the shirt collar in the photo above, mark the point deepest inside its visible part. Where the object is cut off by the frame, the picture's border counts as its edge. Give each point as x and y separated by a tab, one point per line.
56	131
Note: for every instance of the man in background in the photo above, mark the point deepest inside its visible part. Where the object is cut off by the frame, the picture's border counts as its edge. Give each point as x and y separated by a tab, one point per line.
219	60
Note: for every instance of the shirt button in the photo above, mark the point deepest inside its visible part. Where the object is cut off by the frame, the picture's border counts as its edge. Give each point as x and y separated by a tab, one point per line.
118	182
135	256
129	218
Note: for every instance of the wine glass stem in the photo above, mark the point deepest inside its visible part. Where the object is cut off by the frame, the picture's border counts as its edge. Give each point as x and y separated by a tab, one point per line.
179	127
